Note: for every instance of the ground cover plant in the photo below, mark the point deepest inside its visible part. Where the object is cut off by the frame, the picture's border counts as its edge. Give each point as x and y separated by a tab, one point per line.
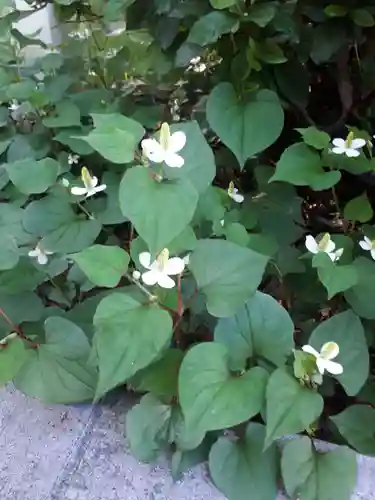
187	191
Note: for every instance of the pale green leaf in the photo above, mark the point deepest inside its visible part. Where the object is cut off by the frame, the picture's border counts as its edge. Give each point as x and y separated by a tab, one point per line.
115	137
128	337
158	210
358	209
310	475
9	255
31	176
291	408
67	114
356	424
246	127
360	297
103	265
226	273
347	331
209	28
241	469
12	357
262	327
210	394
57	371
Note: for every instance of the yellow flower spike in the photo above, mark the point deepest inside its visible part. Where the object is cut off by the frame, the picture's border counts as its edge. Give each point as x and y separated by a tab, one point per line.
231	188
322	245
86	177
165	136
163	258
349	139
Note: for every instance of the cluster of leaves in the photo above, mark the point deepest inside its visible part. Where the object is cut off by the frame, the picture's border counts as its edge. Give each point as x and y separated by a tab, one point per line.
258	88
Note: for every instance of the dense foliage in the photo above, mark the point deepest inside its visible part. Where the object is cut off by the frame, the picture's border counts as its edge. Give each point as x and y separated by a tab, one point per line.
186	210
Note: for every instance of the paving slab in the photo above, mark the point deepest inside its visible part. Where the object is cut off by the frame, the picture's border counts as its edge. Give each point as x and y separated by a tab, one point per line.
79	453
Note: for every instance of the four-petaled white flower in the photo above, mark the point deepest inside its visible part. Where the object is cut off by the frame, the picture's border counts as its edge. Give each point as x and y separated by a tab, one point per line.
349	147
40	253
325	245
160	270
14	105
368	245
234	194
167	148
91	185
73	159
324	358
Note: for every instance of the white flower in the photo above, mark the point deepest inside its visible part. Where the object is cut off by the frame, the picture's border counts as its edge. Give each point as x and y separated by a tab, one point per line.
40	253
328	352
186	259
91	185
136	275
73	159
349	147
167	148
65	182
367	244
14	105
234	194
325	245
222	222
160	270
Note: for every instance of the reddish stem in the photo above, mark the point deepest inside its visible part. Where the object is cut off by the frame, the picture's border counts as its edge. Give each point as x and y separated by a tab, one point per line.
18	330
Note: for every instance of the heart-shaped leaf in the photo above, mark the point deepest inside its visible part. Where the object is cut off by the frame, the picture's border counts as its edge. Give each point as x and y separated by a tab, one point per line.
226	273
242	469
357	425
291	407
210	393
158	210
262	327
31	176
347	331
128	337
310	475
246	127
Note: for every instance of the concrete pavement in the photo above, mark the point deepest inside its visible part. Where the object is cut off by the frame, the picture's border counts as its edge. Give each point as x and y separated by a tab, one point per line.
79	453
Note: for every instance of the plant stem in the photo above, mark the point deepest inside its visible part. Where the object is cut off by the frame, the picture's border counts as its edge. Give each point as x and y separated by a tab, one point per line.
137	283
90	216
18	330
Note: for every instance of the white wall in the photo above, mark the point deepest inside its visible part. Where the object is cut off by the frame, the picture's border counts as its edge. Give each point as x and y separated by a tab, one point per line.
43	20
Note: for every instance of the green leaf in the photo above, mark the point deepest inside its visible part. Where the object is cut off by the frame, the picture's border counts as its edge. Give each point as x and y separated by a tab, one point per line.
200	169
270	52
9	255
291	408
302	166
103	265
21	278
310	475
261	14
356	424
241	469
71	137
363	18
183	461
335	278
158	210
358	209
160	378
115	137
31	310
246	127
63	357
360	297
128	337
262	327
314	137
147	427
347	331
222	4
293	80
226	273
67	114
210	393
12	357
335	10
209	28
30	176
61	228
